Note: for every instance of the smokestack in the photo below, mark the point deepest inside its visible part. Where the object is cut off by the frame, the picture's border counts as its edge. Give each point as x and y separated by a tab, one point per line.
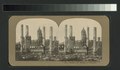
27	30
44	35
87	36
87	40
66	39
44	32
65	30
71	31
51	33
55	39
94	39
51	39
22	38
22	31
98	38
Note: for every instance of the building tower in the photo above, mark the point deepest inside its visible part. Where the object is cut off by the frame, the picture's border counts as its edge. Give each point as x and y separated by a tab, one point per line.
28	39
66	39
22	39
83	37
71	41
51	40
94	40
39	37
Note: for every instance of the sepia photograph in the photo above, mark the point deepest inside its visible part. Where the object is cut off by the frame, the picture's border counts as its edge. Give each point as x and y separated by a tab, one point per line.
59	41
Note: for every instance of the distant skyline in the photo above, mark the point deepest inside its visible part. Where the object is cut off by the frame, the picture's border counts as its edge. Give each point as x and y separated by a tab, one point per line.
77	23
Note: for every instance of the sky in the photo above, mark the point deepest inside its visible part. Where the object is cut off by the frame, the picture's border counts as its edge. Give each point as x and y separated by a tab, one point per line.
59	31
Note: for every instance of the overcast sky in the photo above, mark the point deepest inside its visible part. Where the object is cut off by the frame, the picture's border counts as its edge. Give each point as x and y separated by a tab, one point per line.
77	23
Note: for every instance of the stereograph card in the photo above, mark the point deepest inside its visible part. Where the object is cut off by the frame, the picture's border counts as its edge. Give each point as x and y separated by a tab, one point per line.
59	40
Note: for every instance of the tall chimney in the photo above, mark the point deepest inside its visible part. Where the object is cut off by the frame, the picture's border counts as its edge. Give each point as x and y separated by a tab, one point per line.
66	39
22	30
27	30
22	38
71	30
51	33
51	39
44	38
65	30
94	39
87	36
87	40
55	39
98	39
